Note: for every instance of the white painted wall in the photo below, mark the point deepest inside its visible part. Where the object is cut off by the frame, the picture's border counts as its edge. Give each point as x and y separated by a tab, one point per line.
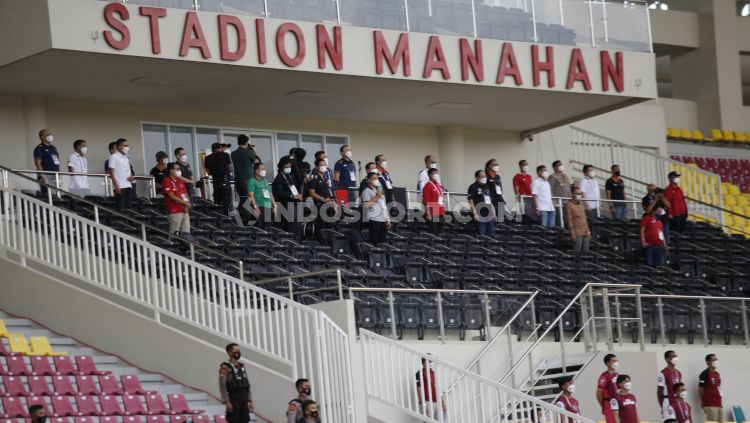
682	114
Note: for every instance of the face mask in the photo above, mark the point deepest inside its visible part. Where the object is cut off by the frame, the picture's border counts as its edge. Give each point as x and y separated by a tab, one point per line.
482	181
323	169
436	178
291	157
125	150
262	173
578	197
84	150
373	171
545	174
561	168
496	168
683	394
326	160
617	173
592	174
178	173
307	391
384	165
662	213
50	138
676	181
616	365
237	355
183	159
376	184
627	385
41	419
715	364
287	170
675	360
433	165
526	169
314	414
572	389
349	154
165	161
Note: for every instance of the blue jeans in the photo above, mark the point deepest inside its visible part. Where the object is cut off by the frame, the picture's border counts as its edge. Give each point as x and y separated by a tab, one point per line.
654	255
486	228
621	213
547	219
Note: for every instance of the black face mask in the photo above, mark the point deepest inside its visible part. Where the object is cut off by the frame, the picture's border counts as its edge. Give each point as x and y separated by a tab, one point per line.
617	173
314	414
307	391
237	355
40	419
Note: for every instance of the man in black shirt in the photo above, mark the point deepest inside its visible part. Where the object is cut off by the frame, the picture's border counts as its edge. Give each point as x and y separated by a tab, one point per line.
288	195
480	200
381	164
656	199
615	188
242	160
159	171
318	188
219	166
187	171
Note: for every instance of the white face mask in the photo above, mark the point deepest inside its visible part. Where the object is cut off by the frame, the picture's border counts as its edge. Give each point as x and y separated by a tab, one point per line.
376	184
178	173
683	394
384	165
616	365
125	150
572	389
545	174
436	178
262	173
326	160
482	181
676	181
50	138
496	168
675	360
183	159
561	168
349	154
627	385
592	174
323	169
433	165
84	150
526	169
715	364
165	161
578	197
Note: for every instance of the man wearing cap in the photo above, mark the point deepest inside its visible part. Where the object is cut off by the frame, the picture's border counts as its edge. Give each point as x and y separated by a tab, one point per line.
678	210
219	165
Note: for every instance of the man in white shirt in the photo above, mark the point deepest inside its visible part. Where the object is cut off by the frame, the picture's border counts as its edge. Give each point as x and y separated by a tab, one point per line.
122	177
430	162
590	189
77	163
542	192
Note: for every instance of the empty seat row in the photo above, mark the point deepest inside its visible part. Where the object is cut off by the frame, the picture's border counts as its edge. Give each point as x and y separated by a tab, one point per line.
200	418
13	365
102	405
63	385
17	344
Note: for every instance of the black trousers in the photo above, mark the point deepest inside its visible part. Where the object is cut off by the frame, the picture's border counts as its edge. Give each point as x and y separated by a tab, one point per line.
436	224
240	411
222	194
678	223
240	187
292	225
378	231
123	199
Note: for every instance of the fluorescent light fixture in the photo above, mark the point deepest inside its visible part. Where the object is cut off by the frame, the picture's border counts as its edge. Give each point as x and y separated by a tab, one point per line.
745	10
157	81
452	105
310	94
664	6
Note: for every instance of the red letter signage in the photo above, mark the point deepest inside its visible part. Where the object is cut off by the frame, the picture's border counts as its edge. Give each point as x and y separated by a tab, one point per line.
508	65
334	49
192	36
577	71
394	60
224	22
538	66
154	13
260	33
471	59
299	39
609	70
117	25
435	59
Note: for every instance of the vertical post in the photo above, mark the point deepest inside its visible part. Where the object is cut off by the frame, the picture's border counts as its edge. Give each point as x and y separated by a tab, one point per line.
743	309
49	193
650	36
195	4
607	319
441	323
338	280
96	214
510	360
562	14
533	21
703	322
265	8
618	322
143	233
639	314
593	320
562	213
562	346
338	12
632	198
584	321
591	24
660	307
192	251
392	310
241	267
487	323
406	14
606	27
474	18
290	288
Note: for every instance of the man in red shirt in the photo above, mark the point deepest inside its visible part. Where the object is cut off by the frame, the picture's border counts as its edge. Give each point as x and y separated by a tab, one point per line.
625	406
678	210
652	238
709	389
606	386
434	201
427	395
522	186
666	379
566	401
679	409
177	201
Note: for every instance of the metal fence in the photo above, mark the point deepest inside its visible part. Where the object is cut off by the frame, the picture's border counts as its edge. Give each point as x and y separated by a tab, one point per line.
99	183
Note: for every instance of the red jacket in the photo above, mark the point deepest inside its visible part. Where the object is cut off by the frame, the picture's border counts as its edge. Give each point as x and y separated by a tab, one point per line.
677	204
432	198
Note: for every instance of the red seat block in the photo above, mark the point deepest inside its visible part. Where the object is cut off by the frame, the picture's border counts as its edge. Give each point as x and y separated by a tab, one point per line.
155	405
87	406
83	420
220	418
64	366
87	366
110	406
59	420
17	366
87	385
109	385
63	407
39	400
41	366
178	419
132	385
14	387
38	386
62	385
155	419
133	405
178	404
13	408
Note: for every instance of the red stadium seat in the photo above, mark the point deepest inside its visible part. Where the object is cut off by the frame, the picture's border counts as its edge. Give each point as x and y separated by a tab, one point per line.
38	386
155	419
110	386
220	418
110	406
132	385
132	419
17	366
87	385
38	400
12	407
63	407
40	365
87	406
201	419
178	404
4	350
87	366
64	365
59	420
83	420
155	404
62	385
178	419
133	405
14	387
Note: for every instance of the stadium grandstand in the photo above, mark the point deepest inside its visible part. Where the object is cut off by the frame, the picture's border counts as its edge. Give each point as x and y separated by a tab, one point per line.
385	211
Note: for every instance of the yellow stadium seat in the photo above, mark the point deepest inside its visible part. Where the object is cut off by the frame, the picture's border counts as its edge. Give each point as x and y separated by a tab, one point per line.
40	346
738	210
727	135
740	137
697	134
728	219
730	201
717	135
673	132
686	134
742	201
3	330
18	344
734	189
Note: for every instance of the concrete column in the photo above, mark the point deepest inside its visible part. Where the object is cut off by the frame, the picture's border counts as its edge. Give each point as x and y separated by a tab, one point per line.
451	147
710	75
35	119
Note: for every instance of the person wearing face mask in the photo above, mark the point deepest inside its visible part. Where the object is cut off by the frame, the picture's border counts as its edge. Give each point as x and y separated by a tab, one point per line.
345	173
653	240
615	188
373	201
577	222
624	405
260	197
430	162
666	379
77	163
657	200
492	171
560	183
381	164
433	200
38	414
480	201
186	170
286	192
243	160
709	390
679	409
590	190
176	200
234	387
566	400
321	155
46	159
542	192
121	174
318	188
310	411
679	211
159	172
606	386
369	168
427	392
522	187
218	165
295	410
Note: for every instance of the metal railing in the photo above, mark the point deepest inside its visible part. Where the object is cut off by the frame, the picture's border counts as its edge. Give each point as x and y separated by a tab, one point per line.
99	183
456	395
414	199
560	208
298	337
616	24
289	279
440	298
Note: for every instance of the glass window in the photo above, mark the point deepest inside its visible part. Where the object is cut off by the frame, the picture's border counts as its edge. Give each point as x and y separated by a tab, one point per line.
154	140
284	143
204	137
333	147
312	144
180	136
263	146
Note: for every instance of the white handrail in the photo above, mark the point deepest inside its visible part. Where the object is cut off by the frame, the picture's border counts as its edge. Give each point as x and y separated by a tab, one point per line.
295	335
472	399
106	181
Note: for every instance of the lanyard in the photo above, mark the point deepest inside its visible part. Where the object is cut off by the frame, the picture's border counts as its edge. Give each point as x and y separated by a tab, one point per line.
570	405
683	412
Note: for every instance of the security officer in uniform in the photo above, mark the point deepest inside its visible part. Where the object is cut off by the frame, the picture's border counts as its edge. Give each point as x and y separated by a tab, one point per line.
295	411
235	387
